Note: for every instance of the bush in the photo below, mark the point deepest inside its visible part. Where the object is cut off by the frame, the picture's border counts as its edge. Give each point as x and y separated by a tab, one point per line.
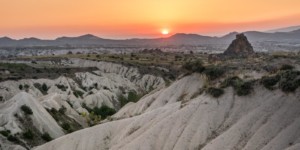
288	86
244	89
26	86
66	126
132	97
231	81
28	135
21	87
215	92
289	81
12	138
214	72
286	67
46	137
104	111
61	87
27	110
62	110
195	66
5	133
78	93
43	88
269	82
86	107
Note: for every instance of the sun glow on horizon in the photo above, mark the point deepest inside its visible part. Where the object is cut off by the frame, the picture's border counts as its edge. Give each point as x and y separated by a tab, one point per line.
165	31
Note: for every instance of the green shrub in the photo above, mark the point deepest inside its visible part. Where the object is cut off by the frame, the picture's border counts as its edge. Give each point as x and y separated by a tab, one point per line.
12	138
5	133
244	89
86	107
27	110
231	81
66	126
21	87
62	110
78	93
286	67
288	86
61	87
194	66
289	81
270	81
26	86
104	111
132	97
215	92
28	135
46	137
241	88
123	100
214	72
43	88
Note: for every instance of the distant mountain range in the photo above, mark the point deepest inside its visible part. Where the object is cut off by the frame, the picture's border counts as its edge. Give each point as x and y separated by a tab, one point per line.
286	29
176	39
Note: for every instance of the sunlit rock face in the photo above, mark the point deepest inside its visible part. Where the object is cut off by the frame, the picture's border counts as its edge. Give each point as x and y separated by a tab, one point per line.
240	46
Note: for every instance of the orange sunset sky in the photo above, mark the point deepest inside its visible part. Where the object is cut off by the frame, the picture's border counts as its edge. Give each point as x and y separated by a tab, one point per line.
49	19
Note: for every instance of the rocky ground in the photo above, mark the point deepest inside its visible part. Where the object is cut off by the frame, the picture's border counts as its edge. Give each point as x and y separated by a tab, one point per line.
250	103
68	103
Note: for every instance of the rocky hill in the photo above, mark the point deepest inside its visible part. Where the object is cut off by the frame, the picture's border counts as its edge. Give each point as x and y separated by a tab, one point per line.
208	107
34	111
240	46
182	117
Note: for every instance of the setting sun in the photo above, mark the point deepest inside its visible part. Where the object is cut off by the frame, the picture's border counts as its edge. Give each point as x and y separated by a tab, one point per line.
165	31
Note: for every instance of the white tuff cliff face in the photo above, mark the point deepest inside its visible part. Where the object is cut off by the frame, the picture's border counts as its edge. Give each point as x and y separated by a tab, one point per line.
179	117
101	87
41	119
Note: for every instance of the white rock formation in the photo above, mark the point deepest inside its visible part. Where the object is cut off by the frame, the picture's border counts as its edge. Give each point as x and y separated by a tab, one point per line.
40	117
103	87
178	117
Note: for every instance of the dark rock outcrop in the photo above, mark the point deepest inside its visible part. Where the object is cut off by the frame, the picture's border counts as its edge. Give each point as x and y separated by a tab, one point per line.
240	46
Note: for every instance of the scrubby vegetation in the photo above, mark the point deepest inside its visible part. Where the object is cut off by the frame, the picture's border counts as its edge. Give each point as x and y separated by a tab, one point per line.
27	110
13	138
104	111
290	80
286	67
241	87
132	97
215	92
61	87
78	93
96	114
245	88
270	81
194	66
5	133
28	135
287	80
43	88
214	72
46	137
67	123
66	126
21	87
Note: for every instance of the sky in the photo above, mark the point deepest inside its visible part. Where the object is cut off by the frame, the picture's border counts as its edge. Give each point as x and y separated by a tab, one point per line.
49	19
